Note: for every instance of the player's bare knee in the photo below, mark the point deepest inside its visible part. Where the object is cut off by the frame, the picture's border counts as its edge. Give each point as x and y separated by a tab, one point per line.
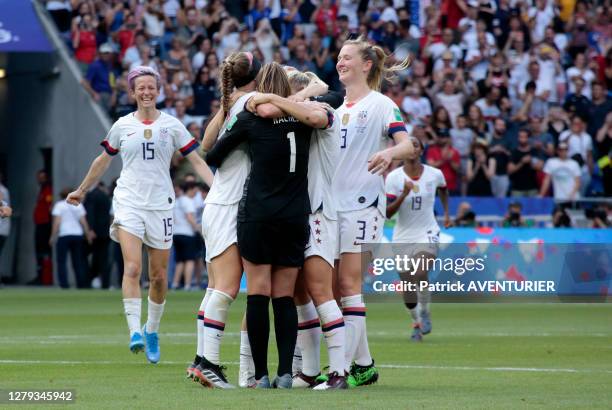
132	269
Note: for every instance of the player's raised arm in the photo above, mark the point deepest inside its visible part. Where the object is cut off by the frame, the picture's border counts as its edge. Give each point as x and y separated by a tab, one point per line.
96	170
306	113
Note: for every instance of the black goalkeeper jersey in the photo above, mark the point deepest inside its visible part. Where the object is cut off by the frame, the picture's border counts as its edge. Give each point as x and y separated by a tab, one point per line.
277	186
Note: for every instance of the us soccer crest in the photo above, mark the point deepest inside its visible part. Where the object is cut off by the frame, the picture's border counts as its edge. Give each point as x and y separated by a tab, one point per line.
415	188
362	117
163	136
345	119
148	133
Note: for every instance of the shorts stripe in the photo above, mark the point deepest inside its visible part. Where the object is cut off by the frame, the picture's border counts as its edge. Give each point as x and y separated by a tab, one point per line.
214	324
333	325
311	324
200	315
354	311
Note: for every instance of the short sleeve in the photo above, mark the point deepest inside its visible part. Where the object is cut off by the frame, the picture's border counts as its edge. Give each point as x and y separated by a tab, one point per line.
57	209
392	187
113	140
81	210
393	118
548	167
440	180
576	169
188	206
588	142
183	140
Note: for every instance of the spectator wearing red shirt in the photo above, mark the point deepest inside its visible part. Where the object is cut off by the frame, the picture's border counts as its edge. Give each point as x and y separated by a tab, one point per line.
324	13
84	40
442	155
42	223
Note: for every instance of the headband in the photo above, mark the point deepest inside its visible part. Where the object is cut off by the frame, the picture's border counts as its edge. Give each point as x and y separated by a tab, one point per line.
254	67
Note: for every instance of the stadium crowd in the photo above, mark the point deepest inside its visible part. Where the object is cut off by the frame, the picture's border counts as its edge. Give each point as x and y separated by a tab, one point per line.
509	97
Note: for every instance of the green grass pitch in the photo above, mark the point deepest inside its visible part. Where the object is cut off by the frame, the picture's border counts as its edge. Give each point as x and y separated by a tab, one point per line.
478	356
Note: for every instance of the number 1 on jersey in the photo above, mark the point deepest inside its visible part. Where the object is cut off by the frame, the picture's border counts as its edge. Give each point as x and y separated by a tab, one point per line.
292	149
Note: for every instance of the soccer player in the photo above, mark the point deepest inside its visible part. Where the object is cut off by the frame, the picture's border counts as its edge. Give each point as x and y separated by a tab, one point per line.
411	193
144	199
368	119
219	224
273	217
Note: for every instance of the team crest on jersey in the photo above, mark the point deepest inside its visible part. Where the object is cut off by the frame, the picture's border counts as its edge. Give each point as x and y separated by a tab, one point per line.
345	119
148	133
362	117
416	188
163	136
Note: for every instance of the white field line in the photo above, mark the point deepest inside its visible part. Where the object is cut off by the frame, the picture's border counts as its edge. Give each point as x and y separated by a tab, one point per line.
384	366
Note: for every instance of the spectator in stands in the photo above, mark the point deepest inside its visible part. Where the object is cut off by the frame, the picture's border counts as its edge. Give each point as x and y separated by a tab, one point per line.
144	58
462	138
447	159
580	146
523	167
417	107
132	53
560	218
69	226
541	140
205	90
450	97
181	112
301	60
42	227
564	173
600	107
603	139
580	70
84	40
99	81
577	103
98	205
598	216
477	122
480	170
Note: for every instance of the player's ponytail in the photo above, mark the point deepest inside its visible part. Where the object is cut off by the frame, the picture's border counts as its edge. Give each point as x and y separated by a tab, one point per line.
377	56
237	70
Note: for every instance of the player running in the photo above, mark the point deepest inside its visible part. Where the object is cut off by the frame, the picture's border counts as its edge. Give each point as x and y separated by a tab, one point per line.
411	193
272	217
219	221
368	119
144	200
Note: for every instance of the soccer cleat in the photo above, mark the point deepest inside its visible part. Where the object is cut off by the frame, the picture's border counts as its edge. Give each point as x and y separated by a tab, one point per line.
263	383
425	322
302	381
213	376
151	345
322	378
362	375
417	333
334	382
282	382
136	343
191	369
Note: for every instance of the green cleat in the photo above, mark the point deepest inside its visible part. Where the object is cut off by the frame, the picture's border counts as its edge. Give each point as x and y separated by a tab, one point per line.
362	375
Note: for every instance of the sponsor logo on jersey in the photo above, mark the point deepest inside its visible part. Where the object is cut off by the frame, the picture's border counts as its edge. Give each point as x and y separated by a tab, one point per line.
148	133
345	118
362	117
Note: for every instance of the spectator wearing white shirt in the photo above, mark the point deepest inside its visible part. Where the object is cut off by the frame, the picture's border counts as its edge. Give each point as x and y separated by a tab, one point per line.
580	148
437	50
564	173
69	227
185	239
580	70
416	107
540	17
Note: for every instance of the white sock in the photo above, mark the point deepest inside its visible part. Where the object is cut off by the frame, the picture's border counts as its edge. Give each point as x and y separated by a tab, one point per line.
247	367
155	312
132	309
200	321
296	365
414	313
332	324
214	324
354	312
424	298
309	338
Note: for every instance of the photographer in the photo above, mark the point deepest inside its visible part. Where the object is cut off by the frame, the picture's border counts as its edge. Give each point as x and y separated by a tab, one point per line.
513	218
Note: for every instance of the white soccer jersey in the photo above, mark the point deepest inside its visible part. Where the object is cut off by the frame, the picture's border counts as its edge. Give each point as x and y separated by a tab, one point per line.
184	206
229	179
364	130
146	151
415	217
322	162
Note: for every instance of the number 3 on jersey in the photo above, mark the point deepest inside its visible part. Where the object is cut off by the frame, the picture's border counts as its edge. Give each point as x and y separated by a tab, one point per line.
343	132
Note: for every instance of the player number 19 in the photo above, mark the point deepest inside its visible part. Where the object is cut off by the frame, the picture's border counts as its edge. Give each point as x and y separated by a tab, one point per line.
291	137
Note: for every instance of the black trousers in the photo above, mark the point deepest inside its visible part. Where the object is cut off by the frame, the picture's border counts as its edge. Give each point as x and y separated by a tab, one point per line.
74	245
99	260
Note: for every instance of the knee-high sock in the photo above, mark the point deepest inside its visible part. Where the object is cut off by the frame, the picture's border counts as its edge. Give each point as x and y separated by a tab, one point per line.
132	308
285	326
332	324
424	298
154	315
354	312
200	322
214	324
258	326
309	339
247	368
296	366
